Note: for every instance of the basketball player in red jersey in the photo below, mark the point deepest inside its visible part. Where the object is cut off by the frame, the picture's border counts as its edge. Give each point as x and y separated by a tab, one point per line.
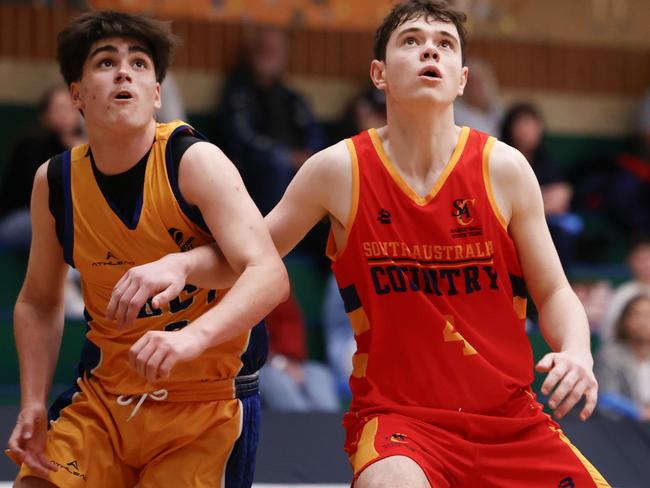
437	234
138	191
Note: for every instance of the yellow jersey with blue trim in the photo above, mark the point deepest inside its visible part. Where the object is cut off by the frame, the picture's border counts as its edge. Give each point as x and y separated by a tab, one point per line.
103	245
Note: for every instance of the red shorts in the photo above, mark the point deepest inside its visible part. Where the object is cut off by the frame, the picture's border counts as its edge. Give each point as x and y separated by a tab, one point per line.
458	449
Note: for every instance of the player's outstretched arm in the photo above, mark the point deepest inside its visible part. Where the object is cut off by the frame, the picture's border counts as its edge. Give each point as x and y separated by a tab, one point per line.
38	325
210	181
562	318
323	184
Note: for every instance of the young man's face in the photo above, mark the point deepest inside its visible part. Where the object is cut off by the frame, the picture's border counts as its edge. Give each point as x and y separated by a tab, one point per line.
118	87
423	63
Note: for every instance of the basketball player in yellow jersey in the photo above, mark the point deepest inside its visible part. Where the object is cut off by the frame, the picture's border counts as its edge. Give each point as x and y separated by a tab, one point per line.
391	194
127	198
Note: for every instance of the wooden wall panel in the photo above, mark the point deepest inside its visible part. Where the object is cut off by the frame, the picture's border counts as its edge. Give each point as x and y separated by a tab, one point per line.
29	33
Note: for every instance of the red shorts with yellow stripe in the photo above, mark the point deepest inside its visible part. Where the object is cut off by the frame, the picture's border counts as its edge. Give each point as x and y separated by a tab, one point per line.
165	444
457	449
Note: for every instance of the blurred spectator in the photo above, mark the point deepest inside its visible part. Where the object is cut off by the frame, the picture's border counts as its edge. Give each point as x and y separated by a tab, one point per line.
339	337
623	366
367	110
290	382
638	260
265	127
58	129
523	128
595	297
172	107
479	107
616	189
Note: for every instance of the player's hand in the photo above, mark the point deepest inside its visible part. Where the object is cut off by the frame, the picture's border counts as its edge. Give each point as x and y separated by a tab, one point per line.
570	377
157	352
27	440
163	279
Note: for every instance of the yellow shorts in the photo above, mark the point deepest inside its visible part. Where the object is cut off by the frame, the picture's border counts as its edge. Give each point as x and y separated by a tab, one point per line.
165	444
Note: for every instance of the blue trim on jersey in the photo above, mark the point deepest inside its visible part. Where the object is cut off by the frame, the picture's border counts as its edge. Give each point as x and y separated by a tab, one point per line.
258	349
191	212
65	398
241	464
68	224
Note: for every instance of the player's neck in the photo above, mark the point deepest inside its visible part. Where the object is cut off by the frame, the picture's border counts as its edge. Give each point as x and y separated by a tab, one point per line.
117	153
418	142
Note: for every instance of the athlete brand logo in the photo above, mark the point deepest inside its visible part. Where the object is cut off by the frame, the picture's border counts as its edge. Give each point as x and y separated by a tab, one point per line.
461	210
384	217
72	467
179	238
399	438
112	260
567	483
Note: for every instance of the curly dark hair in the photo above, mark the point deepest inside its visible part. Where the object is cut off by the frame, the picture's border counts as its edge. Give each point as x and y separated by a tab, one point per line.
75	40
413	10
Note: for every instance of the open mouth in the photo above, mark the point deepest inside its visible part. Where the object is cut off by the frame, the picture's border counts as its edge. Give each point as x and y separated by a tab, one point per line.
123	95
431	73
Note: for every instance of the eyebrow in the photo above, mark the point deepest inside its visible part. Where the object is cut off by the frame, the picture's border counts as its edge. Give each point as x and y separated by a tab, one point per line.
442	33
112	49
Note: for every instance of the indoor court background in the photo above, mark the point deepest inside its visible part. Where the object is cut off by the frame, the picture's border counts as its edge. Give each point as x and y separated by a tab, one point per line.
584	63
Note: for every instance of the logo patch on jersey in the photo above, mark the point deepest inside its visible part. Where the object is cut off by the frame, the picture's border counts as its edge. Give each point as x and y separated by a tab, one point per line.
384	217
399	438
567	483
112	260
72	467
461	210
179	238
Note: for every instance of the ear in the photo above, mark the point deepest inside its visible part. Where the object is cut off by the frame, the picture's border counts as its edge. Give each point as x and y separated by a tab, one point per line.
463	80
75	95
157	103
378	74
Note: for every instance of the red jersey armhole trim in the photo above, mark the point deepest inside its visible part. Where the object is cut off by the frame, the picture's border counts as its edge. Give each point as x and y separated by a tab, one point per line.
390	167
331	251
487	150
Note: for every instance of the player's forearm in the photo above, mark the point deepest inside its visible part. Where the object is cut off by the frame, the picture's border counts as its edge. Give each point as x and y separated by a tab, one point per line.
258	290
205	267
564	324
38	334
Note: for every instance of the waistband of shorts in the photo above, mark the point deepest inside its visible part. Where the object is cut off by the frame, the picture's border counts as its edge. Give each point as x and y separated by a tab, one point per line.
247	385
204	391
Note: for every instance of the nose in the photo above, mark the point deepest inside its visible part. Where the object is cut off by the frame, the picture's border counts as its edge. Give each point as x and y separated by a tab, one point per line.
123	73
429	52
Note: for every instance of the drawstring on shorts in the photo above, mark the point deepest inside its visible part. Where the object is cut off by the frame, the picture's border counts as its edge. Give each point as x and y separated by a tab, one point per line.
124	400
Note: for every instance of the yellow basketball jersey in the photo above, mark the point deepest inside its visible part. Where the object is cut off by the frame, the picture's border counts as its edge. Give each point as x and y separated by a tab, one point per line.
103	246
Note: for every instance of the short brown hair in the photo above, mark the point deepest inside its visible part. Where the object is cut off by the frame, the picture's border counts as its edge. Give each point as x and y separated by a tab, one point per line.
75	40
413	10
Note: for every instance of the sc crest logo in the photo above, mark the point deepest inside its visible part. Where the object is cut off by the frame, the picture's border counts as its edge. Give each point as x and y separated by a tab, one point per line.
461	210
567	483
399	438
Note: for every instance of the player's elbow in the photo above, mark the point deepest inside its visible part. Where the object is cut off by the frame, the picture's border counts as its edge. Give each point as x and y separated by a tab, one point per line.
281	284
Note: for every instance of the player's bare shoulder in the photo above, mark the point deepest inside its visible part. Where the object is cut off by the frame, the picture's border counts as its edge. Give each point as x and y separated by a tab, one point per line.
511	176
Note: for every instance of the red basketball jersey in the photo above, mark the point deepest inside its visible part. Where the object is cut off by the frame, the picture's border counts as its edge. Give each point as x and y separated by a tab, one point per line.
433	286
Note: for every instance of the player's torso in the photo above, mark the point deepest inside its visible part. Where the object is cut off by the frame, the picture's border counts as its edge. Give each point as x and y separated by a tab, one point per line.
103	245
432	286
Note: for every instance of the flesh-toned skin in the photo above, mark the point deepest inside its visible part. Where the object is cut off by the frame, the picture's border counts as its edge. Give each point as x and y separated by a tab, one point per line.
120	131
419	138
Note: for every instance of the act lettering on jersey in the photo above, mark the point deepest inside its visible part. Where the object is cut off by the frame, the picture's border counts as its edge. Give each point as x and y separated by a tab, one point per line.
181	302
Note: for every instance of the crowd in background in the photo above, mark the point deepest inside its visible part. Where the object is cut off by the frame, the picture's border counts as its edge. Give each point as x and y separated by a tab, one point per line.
268	130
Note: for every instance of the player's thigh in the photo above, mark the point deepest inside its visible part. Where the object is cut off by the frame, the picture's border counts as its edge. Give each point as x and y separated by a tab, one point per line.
32	482
395	472
200	456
